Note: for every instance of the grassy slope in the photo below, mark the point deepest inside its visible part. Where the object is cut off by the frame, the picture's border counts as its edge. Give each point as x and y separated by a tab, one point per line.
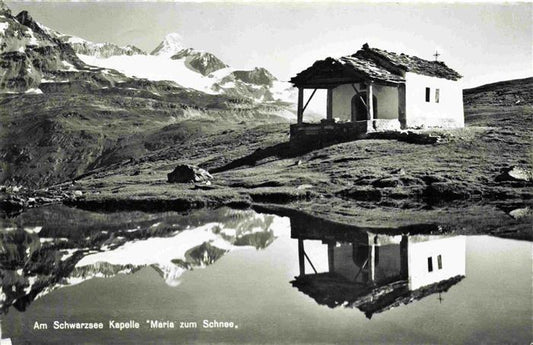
452	183
56	136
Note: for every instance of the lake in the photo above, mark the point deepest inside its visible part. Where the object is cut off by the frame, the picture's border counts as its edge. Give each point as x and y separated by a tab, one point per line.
238	276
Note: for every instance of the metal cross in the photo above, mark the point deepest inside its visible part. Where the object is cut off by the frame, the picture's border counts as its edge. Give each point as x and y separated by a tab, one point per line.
436	55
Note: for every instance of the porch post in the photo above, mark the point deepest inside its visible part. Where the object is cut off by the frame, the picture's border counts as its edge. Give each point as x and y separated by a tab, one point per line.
301	258
401	106
331	256
369	101
404	259
300	105
329	111
372	264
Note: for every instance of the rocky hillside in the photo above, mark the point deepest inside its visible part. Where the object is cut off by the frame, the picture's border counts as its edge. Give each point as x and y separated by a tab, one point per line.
29	56
62	117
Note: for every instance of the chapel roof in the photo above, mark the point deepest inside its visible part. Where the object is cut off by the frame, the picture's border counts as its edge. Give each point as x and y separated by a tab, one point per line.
371	64
335	291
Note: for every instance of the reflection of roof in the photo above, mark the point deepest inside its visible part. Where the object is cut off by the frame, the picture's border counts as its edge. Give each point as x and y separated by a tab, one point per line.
372	64
333	290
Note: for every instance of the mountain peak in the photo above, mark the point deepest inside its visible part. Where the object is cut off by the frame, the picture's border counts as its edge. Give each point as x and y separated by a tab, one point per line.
172	44
4	8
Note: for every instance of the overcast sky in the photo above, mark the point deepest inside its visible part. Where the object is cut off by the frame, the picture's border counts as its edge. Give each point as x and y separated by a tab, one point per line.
483	42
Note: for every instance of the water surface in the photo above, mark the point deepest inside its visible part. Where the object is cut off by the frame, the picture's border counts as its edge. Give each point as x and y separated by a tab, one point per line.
277	284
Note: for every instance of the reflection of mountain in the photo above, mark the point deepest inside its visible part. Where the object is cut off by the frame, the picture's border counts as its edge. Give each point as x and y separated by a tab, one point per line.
374	272
32	266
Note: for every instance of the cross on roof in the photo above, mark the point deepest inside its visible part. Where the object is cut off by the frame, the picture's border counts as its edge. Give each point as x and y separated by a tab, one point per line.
436	55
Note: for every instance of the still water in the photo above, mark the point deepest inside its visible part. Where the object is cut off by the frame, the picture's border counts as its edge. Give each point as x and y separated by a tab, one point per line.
230	276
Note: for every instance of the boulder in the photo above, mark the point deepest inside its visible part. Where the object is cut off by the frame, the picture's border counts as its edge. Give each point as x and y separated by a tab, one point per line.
186	173
521	213
446	191
515	174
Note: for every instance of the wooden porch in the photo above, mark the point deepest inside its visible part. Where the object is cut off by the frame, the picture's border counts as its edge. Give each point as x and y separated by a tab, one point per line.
327	131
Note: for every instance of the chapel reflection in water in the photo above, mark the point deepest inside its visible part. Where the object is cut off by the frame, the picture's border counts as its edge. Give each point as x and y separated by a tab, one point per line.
376	272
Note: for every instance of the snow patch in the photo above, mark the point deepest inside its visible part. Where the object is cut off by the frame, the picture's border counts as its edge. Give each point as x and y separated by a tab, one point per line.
3	28
34	91
66	254
75	40
35	229
33	41
229	85
69	67
155	68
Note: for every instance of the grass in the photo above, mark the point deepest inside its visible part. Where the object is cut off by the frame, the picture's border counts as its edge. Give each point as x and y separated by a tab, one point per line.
452	183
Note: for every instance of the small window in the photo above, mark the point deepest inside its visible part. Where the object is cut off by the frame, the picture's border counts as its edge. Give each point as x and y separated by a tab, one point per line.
437	95
428	93
439	262
430	264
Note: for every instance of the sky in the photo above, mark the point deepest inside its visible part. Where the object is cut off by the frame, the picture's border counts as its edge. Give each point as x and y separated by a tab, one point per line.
485	42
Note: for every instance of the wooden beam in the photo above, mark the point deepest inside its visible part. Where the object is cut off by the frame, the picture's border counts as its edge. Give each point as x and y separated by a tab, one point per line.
334	82
309	100
358	94
310	263
329	110
300	105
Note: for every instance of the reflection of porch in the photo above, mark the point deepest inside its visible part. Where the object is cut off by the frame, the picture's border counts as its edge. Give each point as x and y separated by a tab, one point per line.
363	262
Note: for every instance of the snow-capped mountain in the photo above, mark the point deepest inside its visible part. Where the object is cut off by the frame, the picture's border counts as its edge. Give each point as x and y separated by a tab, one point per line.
85	47
171	44
102	50
257	76
202	62
38	59
196	69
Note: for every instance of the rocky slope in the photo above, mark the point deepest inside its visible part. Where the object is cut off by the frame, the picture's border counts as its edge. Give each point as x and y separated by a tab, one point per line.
29	57
201	62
